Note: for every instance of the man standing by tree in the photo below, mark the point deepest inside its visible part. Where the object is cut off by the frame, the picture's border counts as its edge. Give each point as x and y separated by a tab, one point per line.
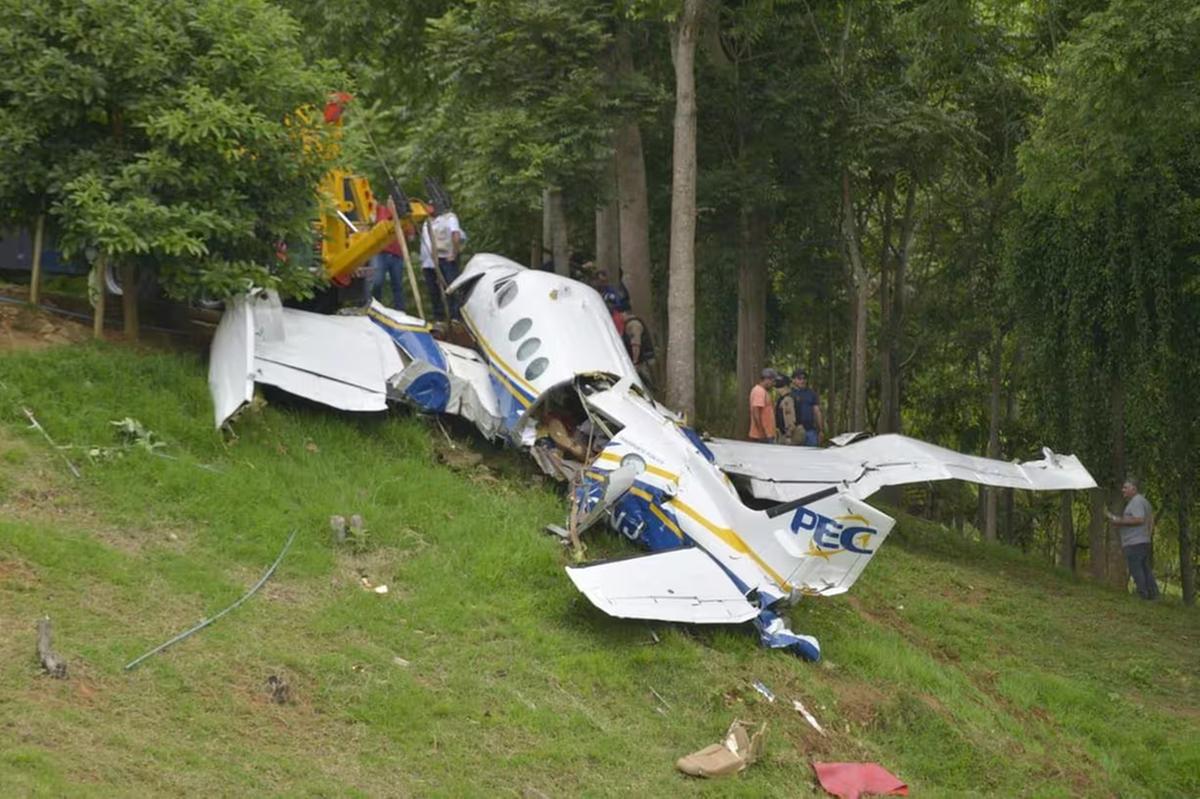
798	413
1136	522
762	410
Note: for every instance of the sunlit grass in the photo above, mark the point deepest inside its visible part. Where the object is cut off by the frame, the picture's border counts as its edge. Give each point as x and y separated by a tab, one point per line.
967	670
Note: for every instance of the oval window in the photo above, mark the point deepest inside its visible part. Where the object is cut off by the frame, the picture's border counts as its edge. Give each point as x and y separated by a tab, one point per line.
519	328
528	347
535	369
506	293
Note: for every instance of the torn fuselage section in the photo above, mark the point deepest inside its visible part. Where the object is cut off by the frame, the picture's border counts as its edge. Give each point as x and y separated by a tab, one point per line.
657	484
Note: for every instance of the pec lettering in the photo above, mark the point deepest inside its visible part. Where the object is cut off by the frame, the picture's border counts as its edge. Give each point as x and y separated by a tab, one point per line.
829	534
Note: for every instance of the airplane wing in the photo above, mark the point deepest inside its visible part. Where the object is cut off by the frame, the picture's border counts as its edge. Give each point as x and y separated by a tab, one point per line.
783	473
341	361
683	585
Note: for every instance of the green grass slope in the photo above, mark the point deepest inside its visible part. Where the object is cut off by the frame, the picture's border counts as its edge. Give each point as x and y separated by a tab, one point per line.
966	670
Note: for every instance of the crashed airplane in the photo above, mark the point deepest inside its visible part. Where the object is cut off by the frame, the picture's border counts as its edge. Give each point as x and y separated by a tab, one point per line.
735	532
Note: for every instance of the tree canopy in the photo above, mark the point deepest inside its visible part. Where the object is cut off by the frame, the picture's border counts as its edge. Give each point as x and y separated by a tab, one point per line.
185	137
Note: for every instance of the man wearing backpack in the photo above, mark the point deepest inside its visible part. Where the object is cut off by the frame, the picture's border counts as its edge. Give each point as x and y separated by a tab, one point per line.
634	334
798	414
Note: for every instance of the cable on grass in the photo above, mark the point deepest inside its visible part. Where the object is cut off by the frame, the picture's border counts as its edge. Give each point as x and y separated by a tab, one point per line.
187	633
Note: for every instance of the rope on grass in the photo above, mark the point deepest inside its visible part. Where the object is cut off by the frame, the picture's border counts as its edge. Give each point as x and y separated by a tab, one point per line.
186	633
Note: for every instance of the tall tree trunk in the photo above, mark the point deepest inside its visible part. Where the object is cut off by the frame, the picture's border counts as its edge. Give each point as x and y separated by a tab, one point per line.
886	348
1118	571
861	296
1187	568
908	232
1097	552
681	292
1066	526
752	310
993	450
35	275
832	419
1008	530
554	229
632	204
97	276
608	226
129	300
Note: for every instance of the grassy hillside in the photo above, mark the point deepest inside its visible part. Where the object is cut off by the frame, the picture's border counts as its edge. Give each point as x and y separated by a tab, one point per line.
964	669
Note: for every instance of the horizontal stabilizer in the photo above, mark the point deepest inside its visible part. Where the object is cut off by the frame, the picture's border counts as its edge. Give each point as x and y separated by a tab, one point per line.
863	467
683	585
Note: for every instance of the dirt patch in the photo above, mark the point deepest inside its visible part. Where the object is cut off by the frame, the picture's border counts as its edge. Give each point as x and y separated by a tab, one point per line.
25	328
368	570
858	702
17	574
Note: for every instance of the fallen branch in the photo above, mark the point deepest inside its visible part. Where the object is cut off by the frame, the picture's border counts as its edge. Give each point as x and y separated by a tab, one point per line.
186	633
54	665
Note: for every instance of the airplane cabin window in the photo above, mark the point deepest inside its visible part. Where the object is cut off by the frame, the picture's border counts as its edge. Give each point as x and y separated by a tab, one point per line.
506	292
519	328
535	368
528	347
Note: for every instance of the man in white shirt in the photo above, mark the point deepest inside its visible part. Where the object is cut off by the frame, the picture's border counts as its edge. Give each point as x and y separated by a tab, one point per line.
444	246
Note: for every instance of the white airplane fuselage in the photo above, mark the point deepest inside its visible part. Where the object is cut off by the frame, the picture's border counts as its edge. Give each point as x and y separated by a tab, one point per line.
733	530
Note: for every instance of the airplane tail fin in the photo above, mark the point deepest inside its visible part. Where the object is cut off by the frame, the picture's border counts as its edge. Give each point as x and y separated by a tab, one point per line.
837	536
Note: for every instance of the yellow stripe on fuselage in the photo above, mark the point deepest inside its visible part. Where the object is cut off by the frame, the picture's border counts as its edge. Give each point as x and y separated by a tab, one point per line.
511	389
663	473
513	374
663	518
734	540
392	323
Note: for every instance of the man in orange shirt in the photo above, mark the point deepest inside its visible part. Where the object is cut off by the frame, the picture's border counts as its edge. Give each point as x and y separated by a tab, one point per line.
762	410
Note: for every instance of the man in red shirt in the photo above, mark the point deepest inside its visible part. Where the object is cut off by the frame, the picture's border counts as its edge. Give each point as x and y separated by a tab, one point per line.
389	263
762	410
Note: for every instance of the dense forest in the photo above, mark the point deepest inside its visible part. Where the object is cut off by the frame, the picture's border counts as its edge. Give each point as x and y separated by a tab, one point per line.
972	221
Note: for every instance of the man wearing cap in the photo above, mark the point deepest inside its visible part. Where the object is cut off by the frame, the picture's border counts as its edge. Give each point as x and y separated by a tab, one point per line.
762	411
798	414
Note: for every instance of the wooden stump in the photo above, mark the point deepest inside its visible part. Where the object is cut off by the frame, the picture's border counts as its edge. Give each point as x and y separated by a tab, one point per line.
54	665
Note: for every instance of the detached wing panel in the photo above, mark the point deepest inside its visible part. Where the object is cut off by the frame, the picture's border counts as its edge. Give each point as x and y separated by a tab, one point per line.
864	467
341	361
683	585
231	363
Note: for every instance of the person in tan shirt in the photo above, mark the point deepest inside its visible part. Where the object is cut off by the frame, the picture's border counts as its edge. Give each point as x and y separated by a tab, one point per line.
762	410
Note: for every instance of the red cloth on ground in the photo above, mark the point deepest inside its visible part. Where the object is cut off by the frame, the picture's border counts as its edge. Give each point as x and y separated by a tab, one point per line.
851	780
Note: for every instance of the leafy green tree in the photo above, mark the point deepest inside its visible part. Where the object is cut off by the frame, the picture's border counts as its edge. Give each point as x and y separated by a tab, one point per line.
167	135
1108	260
522	96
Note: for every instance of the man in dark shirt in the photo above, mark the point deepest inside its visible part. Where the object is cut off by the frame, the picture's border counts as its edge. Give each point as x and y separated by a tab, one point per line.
798	413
